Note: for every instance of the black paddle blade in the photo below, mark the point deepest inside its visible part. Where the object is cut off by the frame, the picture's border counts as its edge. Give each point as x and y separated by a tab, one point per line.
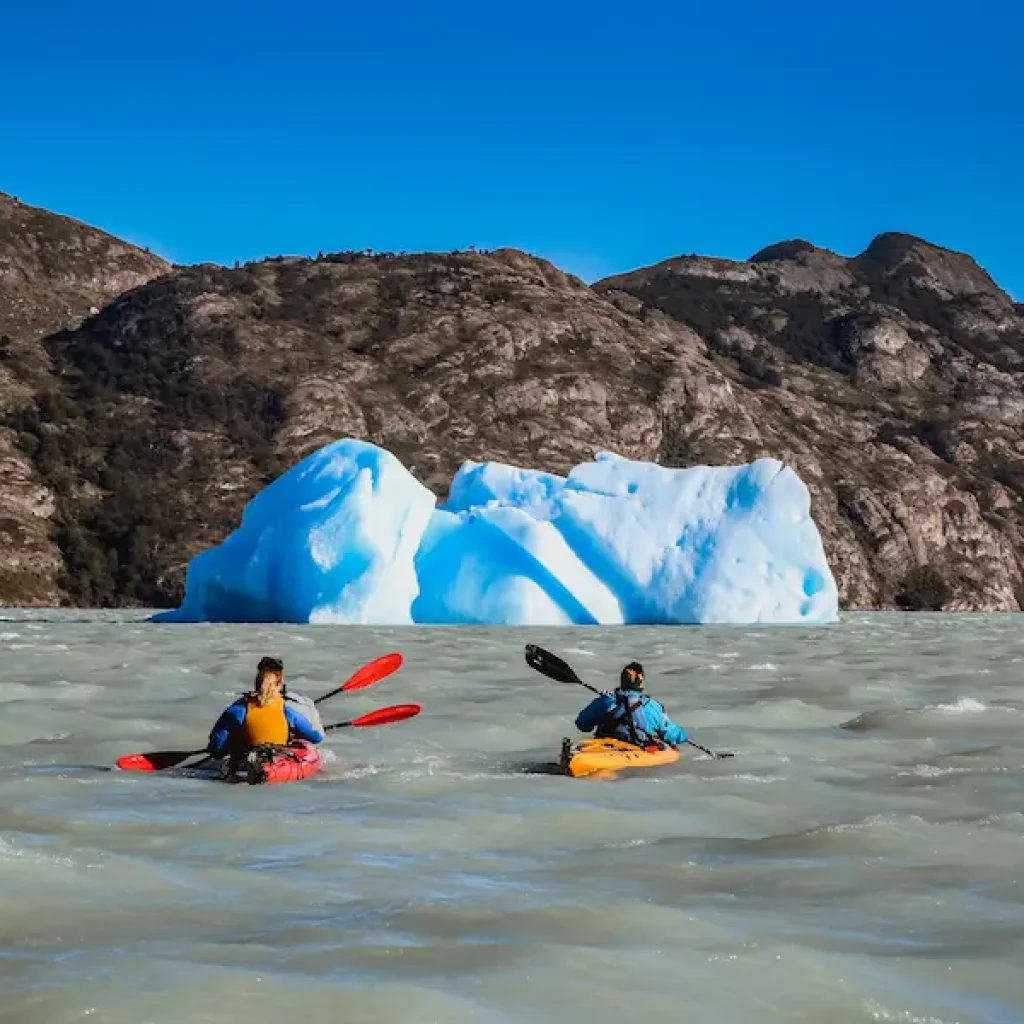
548	665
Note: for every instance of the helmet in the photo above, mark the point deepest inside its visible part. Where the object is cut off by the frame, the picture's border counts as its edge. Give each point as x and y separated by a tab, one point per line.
632	677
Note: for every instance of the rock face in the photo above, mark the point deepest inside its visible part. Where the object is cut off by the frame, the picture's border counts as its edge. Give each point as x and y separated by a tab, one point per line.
54	272
891	382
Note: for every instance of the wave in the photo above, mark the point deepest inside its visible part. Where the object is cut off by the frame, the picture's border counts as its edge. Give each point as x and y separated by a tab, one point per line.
963	706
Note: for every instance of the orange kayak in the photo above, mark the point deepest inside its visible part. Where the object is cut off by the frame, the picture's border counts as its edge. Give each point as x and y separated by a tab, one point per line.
601	756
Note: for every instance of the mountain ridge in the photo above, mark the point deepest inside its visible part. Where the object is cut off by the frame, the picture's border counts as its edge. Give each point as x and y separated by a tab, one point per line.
54	272
891	381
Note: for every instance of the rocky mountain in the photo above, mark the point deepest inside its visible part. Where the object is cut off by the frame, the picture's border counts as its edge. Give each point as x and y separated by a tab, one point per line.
891	382
54	272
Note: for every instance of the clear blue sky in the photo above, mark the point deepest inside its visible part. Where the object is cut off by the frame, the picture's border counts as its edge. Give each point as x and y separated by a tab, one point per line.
604	136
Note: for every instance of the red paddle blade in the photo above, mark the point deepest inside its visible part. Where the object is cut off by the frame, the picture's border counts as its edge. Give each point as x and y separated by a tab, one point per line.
382	716
374	672
155	761
371	673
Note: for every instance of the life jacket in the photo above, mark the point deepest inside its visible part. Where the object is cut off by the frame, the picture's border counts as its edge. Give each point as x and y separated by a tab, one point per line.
264	724
627	721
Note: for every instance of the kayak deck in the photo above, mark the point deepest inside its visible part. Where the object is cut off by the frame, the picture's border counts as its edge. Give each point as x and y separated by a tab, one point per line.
600	756
269	765
298	760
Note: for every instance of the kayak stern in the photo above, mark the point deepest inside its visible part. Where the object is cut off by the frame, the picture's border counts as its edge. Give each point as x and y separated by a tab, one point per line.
605	757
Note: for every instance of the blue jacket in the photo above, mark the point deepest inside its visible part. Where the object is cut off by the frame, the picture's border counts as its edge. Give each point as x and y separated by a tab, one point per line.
226	735
607	714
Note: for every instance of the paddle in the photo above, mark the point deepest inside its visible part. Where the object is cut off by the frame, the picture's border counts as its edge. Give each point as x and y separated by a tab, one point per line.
382	716
547	664
156	761
367	675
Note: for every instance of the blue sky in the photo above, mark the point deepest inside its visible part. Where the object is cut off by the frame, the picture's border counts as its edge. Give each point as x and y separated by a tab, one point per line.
603	136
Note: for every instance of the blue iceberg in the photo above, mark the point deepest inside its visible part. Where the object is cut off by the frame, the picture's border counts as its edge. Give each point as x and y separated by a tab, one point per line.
332	540
350	536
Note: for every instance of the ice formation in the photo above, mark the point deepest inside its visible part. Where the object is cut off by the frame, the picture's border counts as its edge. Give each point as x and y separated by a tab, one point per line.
350	536
332	540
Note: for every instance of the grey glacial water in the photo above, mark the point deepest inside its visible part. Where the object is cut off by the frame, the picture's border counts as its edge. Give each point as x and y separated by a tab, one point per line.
842	874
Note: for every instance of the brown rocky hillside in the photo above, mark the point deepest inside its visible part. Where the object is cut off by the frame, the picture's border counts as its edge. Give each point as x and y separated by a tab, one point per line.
892	382
54	272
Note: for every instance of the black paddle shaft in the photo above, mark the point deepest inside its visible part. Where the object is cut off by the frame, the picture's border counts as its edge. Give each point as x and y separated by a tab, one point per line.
548	664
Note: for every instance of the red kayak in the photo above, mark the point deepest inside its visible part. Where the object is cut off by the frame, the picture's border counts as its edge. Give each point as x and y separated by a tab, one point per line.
270	764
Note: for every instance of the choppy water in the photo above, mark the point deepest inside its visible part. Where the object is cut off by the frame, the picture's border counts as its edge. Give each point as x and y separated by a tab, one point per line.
867	873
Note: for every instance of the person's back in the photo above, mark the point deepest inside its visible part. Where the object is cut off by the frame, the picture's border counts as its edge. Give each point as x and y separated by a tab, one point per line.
263	717
629	714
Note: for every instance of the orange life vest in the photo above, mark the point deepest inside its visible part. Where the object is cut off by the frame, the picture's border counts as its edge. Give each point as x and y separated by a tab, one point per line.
265	724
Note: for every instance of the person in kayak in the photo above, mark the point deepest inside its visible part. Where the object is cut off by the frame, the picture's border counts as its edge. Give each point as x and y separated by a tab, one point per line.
267	715
629	714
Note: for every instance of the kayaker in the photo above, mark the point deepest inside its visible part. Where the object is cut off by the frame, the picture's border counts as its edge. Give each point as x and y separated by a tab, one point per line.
264	716
629	714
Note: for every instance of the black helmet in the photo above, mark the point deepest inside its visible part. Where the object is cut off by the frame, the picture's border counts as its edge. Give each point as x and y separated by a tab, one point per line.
632	677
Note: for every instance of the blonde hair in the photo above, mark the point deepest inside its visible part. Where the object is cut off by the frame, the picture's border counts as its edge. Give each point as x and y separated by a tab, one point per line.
269	682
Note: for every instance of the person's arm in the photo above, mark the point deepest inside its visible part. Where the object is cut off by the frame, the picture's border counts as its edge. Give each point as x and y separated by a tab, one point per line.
590	717
673	734
299	726
306	707
227	726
